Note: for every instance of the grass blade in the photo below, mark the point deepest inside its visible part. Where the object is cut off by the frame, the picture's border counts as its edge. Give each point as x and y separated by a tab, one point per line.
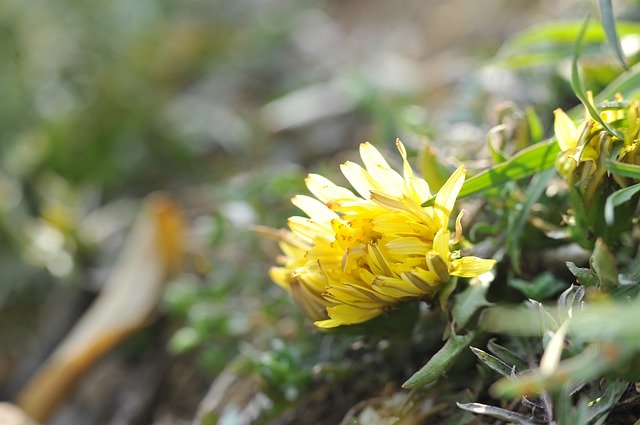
623	169
518	218
609	25
578	86
619	197
506	355
493	362
497	413
627	84
441	361
548	43
525	163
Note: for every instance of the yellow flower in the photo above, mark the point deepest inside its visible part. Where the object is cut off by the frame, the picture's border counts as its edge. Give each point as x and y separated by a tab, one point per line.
585	147
358	256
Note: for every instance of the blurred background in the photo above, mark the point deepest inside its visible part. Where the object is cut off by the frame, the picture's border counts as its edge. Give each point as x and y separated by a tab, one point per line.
225	107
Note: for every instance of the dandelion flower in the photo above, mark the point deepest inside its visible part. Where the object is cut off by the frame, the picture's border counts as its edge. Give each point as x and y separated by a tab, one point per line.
585	148
357	255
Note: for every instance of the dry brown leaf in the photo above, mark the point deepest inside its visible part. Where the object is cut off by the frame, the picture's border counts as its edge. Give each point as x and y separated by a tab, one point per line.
152	252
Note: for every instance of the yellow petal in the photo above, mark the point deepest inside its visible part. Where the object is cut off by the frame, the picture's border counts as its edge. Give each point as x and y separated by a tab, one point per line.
377	261
358	178
426	286
385	177
315	209
420	189
438	265
354	295
406	168
281	276
308	230
586	153
565	130
471	266
396	288
407	246
347	315
441	243
312	303
385	200
446	197
325	190
458	237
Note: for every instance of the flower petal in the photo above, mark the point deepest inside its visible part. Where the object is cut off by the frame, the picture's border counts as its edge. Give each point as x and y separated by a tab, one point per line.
471	266
407	246
385	177
441	243
358	178
565	130
446	197
315	209
345	314
325	190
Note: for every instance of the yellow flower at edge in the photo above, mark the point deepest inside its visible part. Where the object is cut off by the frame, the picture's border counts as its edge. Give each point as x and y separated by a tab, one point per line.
356	256
586	146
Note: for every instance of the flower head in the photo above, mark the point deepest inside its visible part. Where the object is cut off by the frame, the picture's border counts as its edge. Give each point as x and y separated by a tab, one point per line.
358	255
587	147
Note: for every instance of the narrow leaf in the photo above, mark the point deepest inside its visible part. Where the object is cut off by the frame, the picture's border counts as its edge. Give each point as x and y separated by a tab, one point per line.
468	302
551	356
585	277
604	264
541	288
506	355
613	390
578	86
617	198
609	25
550	42
497	413
536	129
493	362
441	361
525	163
627	84
623	169
589	364
570	302
432	169
518	218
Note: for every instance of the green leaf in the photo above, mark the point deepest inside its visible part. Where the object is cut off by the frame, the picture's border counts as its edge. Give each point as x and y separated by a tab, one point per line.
468	302
506	356
446	291
587	365
613	390
618	198
536	129
623	169
627	84
494	136
603	264
541	288
609	25
441	361
494	363
578	86
593	362
432	169
570	302
525	163
550	42
518	217
497	413
585	277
